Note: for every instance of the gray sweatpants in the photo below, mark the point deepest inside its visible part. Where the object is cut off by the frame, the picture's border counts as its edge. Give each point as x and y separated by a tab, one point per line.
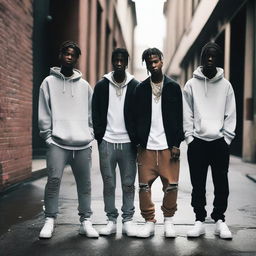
123	155
80	162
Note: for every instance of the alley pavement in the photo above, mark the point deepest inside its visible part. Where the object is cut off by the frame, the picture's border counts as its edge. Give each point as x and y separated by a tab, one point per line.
21	218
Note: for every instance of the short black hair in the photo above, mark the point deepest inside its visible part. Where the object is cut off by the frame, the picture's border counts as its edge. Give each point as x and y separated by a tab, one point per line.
122	51
209	45
151	51
70	44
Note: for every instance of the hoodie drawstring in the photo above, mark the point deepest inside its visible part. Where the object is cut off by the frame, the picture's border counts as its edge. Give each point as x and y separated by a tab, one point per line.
56	71
116	146
205	86
198	74
72	88
64	85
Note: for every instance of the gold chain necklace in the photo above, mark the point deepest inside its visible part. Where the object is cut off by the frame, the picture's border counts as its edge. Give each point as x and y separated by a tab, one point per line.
156	90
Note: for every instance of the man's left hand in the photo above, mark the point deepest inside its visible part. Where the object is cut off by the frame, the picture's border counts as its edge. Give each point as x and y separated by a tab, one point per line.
175	153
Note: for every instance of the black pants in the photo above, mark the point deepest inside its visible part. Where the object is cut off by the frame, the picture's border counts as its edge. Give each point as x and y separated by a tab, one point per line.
201	155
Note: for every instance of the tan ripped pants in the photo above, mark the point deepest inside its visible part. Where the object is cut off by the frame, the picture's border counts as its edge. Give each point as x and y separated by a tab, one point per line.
152	164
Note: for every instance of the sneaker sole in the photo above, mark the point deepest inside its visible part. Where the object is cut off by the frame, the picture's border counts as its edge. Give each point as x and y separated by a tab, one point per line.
45	237
109	234
151	234
82	233
223	237
128	234
170	236
194	236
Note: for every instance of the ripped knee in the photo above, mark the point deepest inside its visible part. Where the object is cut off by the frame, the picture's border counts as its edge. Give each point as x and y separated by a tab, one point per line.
52	187
144	187
54	182
171	187
128	188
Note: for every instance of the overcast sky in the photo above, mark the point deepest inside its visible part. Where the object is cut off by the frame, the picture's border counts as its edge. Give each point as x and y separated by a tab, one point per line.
149	32
151	23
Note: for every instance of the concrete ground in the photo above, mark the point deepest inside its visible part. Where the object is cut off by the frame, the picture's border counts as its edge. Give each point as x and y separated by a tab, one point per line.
21	218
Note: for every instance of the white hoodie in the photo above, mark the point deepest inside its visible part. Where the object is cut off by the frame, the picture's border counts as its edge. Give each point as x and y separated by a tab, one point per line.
64	112
209	110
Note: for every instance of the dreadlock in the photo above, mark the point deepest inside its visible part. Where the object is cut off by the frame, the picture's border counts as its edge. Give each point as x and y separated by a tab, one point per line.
122	51
69	44
151	51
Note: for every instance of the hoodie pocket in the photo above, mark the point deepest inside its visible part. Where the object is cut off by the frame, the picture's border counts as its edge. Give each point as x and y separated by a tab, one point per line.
72	132
209	128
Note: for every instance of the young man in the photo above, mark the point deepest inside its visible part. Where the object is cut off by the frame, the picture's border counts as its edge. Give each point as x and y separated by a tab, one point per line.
209	125
113	129
159	132
65	124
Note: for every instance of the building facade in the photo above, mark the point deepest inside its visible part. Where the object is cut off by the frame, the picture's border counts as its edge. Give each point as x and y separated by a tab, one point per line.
191	24
16	85
32	32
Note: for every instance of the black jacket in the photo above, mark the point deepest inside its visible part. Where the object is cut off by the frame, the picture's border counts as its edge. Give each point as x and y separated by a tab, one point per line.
171	112
100	102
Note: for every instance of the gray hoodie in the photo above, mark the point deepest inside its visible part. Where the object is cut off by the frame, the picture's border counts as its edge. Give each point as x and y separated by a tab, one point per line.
64	111
209	108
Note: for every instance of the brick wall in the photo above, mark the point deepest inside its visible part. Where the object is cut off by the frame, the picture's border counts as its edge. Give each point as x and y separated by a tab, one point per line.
16	24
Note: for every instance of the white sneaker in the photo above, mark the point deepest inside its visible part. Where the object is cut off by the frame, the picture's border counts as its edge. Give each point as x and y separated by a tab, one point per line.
129	228
147	230
222	230
197	230
47	230
109	229
169	230
87	229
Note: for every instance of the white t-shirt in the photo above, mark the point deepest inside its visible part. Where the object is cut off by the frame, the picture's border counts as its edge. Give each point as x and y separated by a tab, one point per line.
116	131
157	139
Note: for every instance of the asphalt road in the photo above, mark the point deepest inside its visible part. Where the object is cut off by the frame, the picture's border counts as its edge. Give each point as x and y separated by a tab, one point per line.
21	218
